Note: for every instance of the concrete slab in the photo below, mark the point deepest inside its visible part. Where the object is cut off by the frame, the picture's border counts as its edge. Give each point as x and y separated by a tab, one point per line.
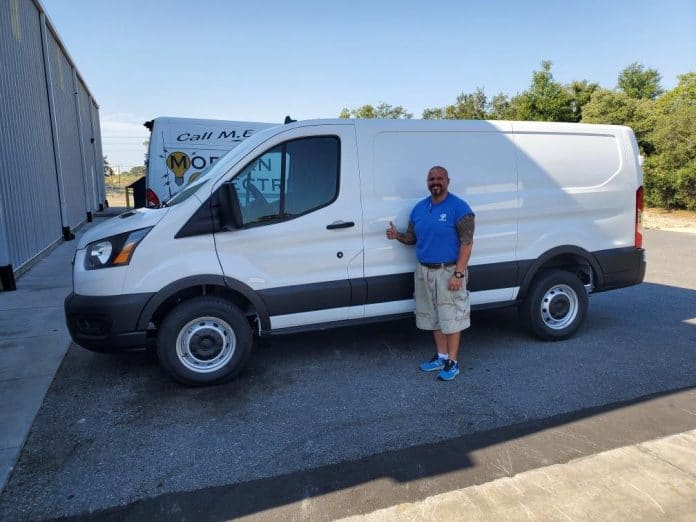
21	400
623	484
27	299
32	356
679	450
29	322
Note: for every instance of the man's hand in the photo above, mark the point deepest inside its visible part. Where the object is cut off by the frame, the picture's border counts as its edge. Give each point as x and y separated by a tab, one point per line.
392	233
454	284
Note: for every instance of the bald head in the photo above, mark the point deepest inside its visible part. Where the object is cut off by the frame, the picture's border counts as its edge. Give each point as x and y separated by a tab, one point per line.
438	181
438	168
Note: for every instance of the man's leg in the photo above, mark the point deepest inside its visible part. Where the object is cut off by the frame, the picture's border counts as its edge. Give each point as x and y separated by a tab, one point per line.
452	341
441	342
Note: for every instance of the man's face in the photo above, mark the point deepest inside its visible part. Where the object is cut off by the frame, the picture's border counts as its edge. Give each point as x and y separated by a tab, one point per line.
437	182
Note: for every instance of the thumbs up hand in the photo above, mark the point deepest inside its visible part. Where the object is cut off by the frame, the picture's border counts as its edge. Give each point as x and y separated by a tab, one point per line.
392	233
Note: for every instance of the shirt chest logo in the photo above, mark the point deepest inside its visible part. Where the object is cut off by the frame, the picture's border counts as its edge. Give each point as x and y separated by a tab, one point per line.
443	218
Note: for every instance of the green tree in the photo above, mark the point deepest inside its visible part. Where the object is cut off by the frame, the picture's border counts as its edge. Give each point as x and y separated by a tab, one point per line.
640	83
383	110
545	100
670	173
500	108
617	108
580	93
436	113
471	106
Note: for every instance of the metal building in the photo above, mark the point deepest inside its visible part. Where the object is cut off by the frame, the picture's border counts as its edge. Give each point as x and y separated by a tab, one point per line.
51	163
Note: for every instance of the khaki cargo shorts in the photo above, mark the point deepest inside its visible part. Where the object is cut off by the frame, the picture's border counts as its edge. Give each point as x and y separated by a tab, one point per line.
437	307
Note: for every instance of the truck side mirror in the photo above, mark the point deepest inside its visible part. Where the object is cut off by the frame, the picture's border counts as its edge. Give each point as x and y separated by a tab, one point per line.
228	204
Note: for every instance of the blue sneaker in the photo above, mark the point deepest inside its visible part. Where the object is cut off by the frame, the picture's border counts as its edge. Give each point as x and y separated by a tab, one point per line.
449	372
433	364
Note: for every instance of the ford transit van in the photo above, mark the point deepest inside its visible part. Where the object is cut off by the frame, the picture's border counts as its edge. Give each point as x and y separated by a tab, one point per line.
181	148
287	233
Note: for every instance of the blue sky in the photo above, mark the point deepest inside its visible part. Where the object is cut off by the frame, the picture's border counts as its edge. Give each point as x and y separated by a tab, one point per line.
260	60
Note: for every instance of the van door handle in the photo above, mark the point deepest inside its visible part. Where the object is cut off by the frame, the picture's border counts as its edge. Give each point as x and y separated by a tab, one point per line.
340	224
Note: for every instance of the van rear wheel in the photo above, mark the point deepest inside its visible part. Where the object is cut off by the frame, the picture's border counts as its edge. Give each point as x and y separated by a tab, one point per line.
205	340
555	306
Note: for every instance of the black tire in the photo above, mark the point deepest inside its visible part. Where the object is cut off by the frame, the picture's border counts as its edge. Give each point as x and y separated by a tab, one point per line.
555	305
205	340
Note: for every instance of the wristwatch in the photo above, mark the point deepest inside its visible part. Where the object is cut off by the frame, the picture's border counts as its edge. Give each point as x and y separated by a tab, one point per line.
459	275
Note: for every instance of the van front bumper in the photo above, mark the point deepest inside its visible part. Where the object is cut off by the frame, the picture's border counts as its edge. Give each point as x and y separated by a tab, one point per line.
106	323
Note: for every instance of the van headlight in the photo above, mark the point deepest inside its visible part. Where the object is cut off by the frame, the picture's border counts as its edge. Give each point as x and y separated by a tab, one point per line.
115	250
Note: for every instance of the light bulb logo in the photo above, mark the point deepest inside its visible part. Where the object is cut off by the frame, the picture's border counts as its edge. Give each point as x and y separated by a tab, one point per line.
178	163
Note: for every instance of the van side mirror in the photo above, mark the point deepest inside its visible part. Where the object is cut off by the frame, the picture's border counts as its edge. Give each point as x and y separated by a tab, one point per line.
228	205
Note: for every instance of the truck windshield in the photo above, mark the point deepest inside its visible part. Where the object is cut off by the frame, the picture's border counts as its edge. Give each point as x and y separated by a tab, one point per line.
222	165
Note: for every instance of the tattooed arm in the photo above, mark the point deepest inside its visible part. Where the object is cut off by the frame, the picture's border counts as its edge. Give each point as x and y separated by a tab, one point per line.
407	238
465	231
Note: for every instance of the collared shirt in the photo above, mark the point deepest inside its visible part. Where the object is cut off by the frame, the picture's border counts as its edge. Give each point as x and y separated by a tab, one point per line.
435	226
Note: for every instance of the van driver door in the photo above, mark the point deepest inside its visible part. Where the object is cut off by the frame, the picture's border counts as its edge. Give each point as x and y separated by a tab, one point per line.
300	246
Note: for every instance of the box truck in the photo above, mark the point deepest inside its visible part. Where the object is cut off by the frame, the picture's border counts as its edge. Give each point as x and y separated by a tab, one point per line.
287	233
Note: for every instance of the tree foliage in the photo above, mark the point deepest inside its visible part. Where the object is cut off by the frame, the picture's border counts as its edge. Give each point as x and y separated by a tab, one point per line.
617	108
670	172
473	106
545	100
640	83
383	110
664	123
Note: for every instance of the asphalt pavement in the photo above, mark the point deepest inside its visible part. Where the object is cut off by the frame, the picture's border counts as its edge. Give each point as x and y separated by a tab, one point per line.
339	423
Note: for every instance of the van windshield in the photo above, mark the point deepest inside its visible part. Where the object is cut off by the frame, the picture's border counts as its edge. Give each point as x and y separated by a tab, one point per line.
223	164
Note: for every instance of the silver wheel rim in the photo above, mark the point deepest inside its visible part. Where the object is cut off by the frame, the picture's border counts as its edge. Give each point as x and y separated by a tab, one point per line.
206	344
559	307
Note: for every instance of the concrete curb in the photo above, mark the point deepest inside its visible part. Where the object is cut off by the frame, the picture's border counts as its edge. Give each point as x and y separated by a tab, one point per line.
653	480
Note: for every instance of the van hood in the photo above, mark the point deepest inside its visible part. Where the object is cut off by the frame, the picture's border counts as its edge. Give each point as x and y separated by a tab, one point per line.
130	220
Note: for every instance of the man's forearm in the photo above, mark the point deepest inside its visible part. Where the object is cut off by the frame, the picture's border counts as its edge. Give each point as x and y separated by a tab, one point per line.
463	258
407	238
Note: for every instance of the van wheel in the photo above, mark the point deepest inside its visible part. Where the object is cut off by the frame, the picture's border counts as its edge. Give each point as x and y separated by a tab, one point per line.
555	305
205	340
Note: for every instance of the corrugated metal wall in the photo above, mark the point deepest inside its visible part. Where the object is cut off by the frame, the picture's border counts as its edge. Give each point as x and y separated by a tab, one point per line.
85	119
98	153
51	166
31	206
67	133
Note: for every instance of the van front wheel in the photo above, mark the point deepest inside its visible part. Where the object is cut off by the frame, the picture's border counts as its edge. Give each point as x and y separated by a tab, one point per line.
205	340
555	306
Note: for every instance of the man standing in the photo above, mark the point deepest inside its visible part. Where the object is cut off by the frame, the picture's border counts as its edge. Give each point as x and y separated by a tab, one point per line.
442	228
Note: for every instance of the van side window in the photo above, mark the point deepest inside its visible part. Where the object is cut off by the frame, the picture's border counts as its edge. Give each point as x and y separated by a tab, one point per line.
289	180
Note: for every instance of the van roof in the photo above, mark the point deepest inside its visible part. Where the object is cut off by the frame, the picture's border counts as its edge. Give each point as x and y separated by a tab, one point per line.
462	125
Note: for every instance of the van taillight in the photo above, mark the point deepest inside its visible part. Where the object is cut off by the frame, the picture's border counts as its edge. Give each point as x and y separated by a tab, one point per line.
639	217
152	199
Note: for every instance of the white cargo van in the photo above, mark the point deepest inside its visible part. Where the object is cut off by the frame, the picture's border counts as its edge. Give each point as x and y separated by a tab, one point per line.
287	233
181	148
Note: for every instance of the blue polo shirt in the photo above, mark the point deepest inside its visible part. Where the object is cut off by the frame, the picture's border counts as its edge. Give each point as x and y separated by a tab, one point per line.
437	240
